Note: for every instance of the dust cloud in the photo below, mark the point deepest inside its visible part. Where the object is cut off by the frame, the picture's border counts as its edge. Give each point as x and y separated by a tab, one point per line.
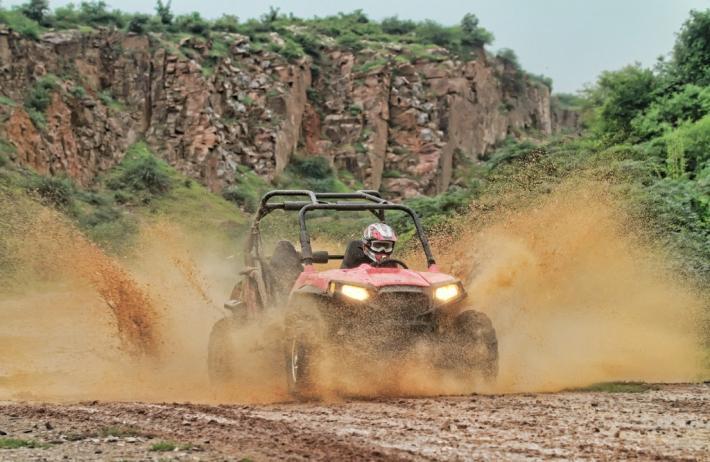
575	297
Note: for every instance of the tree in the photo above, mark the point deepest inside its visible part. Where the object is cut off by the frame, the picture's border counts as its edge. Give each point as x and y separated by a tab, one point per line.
621	96
163	12
35	9
691	53
473	36
271	16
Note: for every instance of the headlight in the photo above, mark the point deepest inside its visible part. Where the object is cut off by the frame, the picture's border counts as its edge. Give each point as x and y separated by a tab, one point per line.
447	292
354	292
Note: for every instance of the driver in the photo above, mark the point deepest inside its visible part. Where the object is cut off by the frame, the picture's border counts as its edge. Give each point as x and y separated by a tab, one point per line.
377	245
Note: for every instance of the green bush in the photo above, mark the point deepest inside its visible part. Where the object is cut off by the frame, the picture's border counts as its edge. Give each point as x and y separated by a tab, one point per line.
310	44
313	173
434	210
668	111
694	140
430	31
96	13
5	149
351	41
395	26
54	191
192	23
65	17
36	10
247	189
163	446
140	171
40	96
139	23
226	23
311	167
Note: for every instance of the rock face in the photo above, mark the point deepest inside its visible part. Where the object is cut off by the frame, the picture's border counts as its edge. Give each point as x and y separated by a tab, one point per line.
396	125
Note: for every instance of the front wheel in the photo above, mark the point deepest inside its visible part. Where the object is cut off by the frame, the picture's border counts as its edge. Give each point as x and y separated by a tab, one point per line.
299	367
477	343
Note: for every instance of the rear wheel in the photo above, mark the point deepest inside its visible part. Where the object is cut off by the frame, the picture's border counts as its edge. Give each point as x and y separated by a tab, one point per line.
477	343
222	352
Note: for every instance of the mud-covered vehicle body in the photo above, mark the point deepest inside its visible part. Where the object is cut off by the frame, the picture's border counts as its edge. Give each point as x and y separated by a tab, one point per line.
357	315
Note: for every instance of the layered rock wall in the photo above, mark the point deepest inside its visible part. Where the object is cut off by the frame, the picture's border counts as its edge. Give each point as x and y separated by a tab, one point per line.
397	125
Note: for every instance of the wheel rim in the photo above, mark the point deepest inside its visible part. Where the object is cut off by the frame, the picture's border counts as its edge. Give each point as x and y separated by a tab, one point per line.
294	361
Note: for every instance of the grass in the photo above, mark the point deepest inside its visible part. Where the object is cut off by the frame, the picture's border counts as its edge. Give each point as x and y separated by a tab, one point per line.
5	101
618	387
163	446
17	21
109	101
15	443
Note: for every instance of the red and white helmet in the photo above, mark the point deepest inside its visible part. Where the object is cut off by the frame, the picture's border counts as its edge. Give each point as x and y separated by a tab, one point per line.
378	240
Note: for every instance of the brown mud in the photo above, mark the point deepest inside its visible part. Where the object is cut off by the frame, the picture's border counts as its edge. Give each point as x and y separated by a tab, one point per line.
670	423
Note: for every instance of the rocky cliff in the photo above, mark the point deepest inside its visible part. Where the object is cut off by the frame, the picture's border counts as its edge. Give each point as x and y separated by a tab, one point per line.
397	123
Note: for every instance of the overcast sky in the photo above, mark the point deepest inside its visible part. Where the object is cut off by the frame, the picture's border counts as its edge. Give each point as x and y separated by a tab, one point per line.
571	41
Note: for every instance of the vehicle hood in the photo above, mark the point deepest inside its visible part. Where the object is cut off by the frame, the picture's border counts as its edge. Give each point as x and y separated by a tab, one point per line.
382	277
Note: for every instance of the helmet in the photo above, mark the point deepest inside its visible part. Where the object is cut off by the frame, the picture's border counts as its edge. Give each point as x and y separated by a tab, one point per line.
378	240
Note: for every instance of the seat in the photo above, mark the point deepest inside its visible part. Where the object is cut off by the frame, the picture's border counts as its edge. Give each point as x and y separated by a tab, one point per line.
284	268
354	255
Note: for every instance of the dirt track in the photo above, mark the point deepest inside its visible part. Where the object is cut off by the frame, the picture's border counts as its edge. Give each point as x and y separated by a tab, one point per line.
671	423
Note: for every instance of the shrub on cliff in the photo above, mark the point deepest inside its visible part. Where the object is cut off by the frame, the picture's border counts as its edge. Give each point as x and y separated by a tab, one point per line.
96	13
226	23
140	175
139	23
54	191
473	36
40	94
193	23
36	10
395	26
247	189
20	23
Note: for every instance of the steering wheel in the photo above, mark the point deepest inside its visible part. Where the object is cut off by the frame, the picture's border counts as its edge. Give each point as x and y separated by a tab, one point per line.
390	260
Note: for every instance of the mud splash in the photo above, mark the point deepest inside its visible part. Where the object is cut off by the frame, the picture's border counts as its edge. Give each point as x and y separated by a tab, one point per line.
577	297
49	249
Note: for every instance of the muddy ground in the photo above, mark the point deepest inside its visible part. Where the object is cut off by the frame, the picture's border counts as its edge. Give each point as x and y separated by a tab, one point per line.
671	422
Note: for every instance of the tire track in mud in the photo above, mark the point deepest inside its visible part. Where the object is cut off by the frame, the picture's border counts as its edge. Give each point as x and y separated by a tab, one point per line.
670	423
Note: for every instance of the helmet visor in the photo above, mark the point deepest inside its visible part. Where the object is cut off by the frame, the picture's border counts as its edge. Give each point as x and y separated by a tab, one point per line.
382	246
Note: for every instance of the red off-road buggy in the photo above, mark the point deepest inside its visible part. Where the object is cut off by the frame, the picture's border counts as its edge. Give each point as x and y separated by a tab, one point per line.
366	313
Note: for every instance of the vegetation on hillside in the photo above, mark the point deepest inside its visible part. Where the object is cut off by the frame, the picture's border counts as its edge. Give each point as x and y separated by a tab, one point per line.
648	130
298	36
648	134
141	187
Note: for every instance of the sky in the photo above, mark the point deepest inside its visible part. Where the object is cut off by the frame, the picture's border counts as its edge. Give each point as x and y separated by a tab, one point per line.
572	41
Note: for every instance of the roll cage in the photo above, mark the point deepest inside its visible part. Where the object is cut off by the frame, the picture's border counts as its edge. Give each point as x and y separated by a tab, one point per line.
363	200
